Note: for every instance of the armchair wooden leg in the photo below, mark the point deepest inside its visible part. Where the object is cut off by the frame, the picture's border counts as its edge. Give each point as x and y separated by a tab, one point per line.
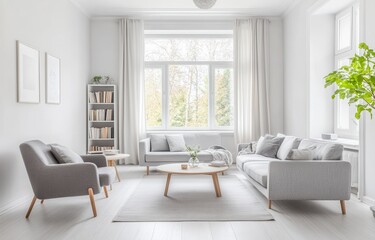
92	200
105	191
110	186
31	207
41	202
269	204
343	207
148	170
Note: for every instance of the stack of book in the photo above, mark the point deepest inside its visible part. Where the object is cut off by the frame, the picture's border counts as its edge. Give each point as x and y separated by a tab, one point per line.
101	115
100	148
101	97
97	133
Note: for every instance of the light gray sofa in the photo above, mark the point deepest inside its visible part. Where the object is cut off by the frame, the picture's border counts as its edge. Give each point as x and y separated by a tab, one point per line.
49	179
205	140
326	177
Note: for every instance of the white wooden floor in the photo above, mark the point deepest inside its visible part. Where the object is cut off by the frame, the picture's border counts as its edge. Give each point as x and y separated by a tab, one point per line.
71	218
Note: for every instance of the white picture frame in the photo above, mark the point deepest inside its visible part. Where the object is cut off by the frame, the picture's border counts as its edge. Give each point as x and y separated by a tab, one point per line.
53	79
28	74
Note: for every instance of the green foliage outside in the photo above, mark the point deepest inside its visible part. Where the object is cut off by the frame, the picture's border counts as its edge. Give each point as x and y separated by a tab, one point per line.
356	82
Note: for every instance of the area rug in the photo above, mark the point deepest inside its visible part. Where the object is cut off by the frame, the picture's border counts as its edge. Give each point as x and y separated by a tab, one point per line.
192	198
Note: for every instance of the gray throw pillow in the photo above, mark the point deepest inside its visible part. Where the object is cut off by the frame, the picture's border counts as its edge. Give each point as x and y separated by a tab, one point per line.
158	143
64	154
301	154
258	144
269	147
176	142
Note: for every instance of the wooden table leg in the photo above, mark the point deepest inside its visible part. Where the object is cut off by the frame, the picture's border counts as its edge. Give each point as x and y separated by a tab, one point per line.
114	164
167	184
216	184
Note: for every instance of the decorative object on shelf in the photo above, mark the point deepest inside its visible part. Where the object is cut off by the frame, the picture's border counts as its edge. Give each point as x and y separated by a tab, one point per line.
184	166
28	74
53	79
193	151
101	80
355	82
329	136
204	4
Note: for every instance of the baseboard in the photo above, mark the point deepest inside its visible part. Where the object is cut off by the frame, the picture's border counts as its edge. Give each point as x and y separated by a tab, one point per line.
369	201
14	204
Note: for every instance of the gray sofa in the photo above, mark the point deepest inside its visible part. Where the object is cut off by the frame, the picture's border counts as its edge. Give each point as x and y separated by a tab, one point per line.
326	177
148	158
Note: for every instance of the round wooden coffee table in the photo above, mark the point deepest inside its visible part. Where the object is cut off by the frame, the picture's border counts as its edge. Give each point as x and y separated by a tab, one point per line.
202	169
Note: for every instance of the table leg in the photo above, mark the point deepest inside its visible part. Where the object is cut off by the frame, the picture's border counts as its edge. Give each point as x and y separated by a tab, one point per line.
216	185
167	184
113	164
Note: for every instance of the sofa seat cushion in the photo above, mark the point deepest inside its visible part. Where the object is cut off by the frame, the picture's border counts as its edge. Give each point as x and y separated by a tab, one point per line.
242	159
257	171
203	156
106	175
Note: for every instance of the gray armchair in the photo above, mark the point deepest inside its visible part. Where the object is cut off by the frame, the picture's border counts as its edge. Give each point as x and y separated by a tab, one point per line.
49	179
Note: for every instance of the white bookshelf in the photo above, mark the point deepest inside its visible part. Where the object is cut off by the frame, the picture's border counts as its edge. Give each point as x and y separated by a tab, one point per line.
102	119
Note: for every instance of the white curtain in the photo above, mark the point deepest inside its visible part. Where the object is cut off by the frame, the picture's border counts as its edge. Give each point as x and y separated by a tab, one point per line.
252	114
131	97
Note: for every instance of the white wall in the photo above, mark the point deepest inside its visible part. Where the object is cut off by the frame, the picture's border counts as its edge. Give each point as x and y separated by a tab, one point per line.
369	133
104	61
59	28
322	40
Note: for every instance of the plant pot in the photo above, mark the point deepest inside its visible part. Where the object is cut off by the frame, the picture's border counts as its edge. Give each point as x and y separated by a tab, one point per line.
193	162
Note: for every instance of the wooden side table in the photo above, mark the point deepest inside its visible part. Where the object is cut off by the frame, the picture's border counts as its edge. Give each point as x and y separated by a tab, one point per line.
112	161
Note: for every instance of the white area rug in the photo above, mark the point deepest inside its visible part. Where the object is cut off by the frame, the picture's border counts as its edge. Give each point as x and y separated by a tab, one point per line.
192	198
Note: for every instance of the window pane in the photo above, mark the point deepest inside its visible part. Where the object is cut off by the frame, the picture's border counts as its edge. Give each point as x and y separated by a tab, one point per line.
344	32
196	49
224	97
153	97
343	109
188	96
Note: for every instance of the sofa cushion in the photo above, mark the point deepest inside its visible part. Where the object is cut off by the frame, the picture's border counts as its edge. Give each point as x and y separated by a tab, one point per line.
257	171
65	155
301	154
161	157
204	140
176	142
323	151
106	175
289	143
242	159
269	146
158	143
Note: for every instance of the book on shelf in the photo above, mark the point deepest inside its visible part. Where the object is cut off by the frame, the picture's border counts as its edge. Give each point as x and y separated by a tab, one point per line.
101	97
99	133
100	148
101	115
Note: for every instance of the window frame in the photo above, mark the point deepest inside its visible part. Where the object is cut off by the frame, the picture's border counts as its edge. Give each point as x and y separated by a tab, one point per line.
212	65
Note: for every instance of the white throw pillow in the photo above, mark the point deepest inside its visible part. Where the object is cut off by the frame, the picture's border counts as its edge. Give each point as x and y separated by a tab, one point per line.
64	154
301	154
176	143
158	143
287	145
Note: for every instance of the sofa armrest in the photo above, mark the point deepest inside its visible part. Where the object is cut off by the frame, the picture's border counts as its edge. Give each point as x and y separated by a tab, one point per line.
64	180
309	180
98	159
144	148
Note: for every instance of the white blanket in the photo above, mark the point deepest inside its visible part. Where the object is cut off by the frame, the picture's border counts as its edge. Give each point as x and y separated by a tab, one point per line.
221	154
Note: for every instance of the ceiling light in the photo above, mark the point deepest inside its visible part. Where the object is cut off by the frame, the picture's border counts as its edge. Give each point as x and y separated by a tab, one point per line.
205	4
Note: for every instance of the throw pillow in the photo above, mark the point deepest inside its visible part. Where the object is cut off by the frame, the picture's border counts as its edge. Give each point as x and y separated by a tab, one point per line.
301	154
158	143
176	143
269	147
64	154
258	145
286	146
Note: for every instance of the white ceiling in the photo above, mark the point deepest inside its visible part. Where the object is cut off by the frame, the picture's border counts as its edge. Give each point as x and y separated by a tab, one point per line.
126	7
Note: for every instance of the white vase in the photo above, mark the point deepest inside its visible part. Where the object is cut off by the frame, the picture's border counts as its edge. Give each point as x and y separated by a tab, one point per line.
193	162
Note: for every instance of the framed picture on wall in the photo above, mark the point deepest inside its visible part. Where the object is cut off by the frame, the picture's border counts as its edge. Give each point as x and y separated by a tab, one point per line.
53	79
28	74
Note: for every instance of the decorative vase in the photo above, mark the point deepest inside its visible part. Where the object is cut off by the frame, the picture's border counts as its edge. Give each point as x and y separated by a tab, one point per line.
193	162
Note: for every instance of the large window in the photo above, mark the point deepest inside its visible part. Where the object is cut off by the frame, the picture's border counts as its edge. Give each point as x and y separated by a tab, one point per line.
189	81
347	40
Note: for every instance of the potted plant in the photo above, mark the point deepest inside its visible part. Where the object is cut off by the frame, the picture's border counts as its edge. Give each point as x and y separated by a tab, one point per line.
193	152
96	79
356	83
